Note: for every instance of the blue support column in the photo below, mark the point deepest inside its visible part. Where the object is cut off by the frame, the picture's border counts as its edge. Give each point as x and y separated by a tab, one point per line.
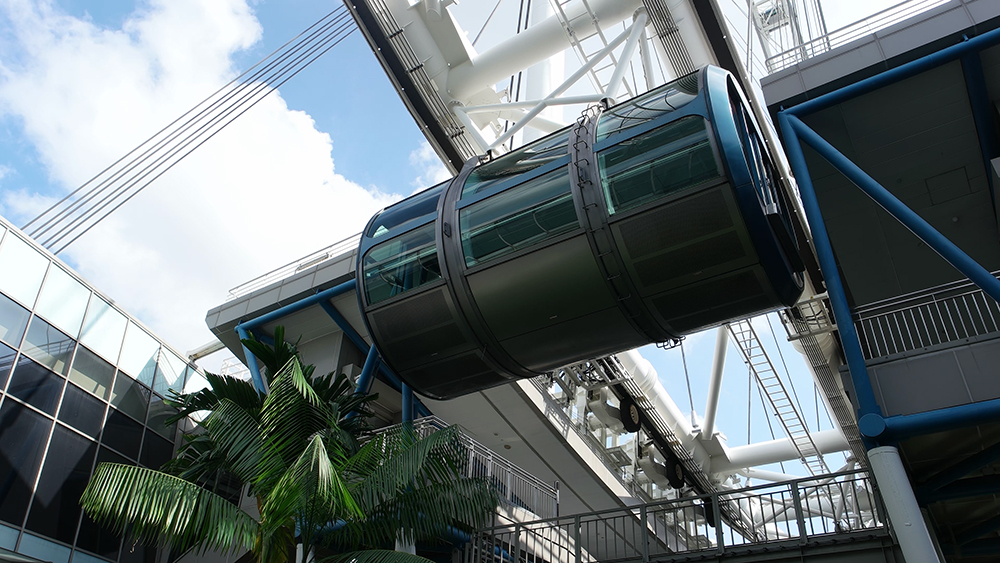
368	371
831	274
407	403
909	218
258	381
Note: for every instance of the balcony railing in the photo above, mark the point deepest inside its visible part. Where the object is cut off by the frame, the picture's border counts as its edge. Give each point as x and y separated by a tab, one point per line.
795	511
322	255
953	312
518	487
875	22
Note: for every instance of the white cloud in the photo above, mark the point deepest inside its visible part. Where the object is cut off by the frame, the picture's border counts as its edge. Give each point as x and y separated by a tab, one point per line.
432	170
260	194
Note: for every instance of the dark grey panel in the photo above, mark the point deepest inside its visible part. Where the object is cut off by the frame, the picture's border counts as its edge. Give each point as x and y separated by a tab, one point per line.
685	241
734	296
454	376
923	383
546	287
597	334
419	329
980	365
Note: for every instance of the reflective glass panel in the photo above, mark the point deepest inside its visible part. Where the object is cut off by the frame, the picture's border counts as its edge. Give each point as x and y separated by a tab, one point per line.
82	411
94	537
63	301
139	354
36	385
194	382
8	537
401	264
43	549
122	433
130	397
169	372
55	511
21	270
410	208
155	451
13	321
23	434
654	104
91	372
524	159
103	329
48	345
661	162
159	412
517	218
6	362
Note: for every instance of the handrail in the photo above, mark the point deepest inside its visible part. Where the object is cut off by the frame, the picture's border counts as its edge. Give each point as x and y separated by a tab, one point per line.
336	249
795	511
867	26
519	488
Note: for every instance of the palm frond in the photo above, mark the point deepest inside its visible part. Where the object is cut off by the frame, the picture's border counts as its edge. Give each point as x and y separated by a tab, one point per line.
236	436
157	507
373	556
220	387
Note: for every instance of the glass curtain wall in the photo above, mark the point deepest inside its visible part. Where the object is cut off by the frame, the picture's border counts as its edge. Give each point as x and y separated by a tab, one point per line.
80	383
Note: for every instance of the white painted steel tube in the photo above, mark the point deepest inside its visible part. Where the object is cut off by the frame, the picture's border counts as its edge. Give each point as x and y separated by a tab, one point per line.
638	28
647	61
644	374
477	136
901	505
764	453
532	45
715	381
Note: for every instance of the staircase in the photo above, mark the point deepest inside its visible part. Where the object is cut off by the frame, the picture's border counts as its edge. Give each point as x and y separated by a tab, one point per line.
777	394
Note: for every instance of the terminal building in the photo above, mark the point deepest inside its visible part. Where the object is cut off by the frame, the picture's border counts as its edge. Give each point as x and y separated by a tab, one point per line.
625	172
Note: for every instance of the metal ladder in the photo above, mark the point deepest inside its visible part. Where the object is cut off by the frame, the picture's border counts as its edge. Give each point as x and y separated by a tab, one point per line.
581	53
777	394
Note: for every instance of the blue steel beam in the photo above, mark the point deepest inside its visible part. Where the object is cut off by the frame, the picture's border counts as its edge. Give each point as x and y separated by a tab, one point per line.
368	371
891	76
978	531
909	218
258	381
903	426
831	273
407	403
352	334
323	299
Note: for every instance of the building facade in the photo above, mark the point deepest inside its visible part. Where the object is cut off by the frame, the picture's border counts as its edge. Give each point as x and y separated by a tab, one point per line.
81	382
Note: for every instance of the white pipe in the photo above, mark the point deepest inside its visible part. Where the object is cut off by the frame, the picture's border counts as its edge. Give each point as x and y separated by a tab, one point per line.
205	350
565	100
647	61
433	9
766	453
477	136
562	88
638	28
765	475
715	381
532	45
901	506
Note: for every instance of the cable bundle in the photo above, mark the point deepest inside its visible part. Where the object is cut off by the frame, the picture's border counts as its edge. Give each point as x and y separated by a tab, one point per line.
72	216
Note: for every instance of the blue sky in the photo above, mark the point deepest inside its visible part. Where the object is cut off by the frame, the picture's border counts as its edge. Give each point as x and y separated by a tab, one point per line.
82	82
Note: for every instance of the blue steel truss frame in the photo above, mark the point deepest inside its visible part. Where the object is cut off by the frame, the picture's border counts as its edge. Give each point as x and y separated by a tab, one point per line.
876	428
373	362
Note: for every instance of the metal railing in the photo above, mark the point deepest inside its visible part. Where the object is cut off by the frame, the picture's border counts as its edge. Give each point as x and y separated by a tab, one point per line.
953	312
797	511
518	487
881	20
322	255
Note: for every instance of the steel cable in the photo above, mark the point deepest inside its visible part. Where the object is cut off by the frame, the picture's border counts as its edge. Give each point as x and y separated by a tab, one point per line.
284	63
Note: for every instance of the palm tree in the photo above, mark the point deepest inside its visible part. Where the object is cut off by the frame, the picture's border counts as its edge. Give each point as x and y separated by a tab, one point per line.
296	448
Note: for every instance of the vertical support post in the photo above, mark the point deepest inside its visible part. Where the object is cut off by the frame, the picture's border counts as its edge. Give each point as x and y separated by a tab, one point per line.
715	381
643	521
407	403
720	537
577	548
831	274
901	505
647	60
258	381
516	544
800	520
